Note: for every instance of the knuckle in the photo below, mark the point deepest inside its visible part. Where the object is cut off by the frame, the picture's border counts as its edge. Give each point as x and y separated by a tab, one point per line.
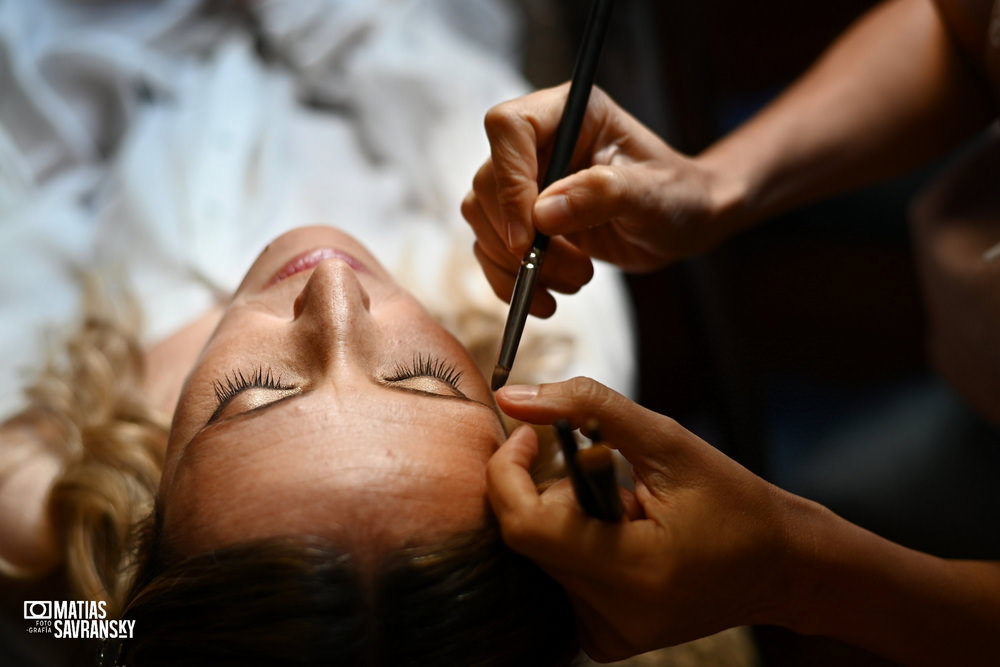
469	208
501	262
608	183
587	391
515	191
483	180
587	397
479	254
518	531
500	118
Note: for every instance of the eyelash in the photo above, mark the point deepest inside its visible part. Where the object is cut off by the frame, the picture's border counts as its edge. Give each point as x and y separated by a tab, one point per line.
427	366
237	381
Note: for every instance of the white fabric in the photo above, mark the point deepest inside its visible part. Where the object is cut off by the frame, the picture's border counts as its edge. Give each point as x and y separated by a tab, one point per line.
151	136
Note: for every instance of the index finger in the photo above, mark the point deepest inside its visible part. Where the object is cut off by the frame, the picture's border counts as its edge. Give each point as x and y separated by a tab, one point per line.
541	527
544	527
511	490
517	132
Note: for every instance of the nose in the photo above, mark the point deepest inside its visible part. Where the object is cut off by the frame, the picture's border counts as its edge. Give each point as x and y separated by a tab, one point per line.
333	307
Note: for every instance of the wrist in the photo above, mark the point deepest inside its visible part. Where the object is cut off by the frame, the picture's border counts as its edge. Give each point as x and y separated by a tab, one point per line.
841	581
729	195
794	584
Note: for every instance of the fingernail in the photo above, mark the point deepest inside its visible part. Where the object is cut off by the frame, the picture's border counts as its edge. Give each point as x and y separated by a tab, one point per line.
519	393
518	237
551	208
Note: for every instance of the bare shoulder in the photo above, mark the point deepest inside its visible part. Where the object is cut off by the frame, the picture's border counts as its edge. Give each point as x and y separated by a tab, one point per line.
29	465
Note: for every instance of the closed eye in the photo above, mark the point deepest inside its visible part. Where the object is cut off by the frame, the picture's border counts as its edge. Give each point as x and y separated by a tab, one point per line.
238	383
424	374
426	371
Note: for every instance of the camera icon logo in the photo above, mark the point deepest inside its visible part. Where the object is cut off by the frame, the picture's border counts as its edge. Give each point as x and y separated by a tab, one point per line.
37	610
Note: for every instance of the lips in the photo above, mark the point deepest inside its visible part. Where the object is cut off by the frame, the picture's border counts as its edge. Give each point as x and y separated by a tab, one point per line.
311	258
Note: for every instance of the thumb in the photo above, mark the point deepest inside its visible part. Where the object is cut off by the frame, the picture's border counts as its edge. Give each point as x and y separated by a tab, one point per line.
628	426
587	199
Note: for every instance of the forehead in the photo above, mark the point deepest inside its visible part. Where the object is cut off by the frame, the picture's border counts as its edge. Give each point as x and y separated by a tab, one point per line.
373	463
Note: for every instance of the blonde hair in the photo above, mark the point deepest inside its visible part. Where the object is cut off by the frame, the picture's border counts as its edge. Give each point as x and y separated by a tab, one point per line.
111	441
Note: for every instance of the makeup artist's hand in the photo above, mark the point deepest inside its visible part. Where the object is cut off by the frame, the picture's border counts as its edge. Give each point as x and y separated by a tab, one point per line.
704	553
633	201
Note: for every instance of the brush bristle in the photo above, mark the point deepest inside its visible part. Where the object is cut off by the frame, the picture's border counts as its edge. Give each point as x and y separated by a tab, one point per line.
499	379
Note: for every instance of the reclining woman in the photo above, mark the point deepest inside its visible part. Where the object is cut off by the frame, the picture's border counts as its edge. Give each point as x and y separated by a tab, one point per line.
320	496
323	493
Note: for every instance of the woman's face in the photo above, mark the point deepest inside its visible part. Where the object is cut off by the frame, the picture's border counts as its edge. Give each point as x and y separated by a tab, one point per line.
328	403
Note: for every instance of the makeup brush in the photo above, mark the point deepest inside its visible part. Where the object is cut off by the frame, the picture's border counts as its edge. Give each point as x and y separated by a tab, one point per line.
597	464
584	495
592	475
566	137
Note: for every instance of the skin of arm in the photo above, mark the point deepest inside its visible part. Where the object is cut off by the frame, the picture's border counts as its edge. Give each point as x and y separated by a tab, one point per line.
896	90
708	545
900	87
912	607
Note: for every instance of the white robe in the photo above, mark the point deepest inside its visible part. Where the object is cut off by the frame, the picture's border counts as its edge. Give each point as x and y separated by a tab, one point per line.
151	137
